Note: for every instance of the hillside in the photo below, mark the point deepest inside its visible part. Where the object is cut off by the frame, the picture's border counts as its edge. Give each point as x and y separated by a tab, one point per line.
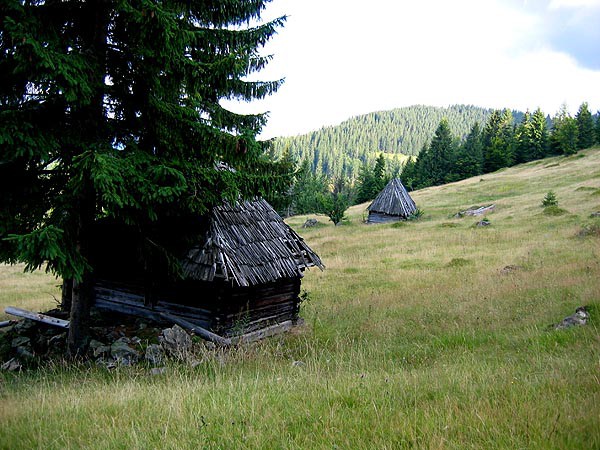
342	148
428	334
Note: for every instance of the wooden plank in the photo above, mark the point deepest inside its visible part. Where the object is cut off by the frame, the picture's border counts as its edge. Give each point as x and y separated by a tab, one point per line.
141	311
6	323
38	317
263	333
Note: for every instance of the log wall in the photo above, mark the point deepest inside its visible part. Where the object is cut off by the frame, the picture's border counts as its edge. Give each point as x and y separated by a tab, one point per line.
216	306
375	217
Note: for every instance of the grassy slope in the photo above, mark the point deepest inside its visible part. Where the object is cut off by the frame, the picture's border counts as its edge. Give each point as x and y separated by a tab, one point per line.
414	337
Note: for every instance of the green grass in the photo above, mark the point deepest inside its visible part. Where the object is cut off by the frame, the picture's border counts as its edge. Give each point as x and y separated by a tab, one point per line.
414	337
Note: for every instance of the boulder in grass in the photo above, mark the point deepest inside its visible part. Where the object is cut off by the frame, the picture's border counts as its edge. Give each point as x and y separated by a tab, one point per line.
310	223
580	317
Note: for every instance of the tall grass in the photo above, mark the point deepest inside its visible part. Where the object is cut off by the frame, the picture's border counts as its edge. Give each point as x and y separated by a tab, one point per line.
428	335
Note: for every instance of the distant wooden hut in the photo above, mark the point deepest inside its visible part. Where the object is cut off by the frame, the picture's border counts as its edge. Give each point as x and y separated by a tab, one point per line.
241	272
392	204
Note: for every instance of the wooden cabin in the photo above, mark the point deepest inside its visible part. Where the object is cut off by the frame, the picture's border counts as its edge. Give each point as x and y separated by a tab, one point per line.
240	271
392	204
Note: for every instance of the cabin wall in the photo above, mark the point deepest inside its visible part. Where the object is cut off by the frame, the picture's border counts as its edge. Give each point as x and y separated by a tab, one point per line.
375	217
217	306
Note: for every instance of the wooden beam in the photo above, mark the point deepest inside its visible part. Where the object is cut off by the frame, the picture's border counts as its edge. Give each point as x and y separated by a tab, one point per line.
38	317
6	323
198	330
263	333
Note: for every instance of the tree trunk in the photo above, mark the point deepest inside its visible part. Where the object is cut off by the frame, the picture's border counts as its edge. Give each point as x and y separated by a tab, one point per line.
96	13
66	294
79	317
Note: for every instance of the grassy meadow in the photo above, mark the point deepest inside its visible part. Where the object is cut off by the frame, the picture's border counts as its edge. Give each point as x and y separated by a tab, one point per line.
429	334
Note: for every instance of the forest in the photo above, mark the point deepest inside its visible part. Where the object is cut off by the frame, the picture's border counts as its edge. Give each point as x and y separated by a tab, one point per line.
341	150
328	179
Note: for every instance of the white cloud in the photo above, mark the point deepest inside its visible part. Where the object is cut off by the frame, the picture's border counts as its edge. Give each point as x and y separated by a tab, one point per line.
344	58
557	4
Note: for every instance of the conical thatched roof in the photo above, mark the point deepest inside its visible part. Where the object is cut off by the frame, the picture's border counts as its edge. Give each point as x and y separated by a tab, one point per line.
393	200
248	243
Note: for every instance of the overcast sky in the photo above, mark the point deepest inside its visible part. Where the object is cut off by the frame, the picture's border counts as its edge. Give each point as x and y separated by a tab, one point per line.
342	58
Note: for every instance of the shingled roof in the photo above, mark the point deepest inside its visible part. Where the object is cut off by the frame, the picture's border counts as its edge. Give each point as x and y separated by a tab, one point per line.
249	244
393	200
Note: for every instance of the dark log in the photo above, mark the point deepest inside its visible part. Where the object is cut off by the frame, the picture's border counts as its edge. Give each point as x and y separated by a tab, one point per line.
141	311
477	211
6	323
38	317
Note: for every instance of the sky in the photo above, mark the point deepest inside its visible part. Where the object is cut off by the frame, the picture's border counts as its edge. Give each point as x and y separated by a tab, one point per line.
343	58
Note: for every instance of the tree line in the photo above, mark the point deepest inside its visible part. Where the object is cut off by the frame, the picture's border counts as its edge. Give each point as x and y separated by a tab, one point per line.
341	150
500	141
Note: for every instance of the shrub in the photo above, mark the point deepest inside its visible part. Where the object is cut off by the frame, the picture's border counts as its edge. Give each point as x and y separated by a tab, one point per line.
550	200
416	215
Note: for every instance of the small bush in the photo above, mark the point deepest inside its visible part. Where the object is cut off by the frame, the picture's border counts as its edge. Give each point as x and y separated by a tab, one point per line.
550	200
416	215
459	262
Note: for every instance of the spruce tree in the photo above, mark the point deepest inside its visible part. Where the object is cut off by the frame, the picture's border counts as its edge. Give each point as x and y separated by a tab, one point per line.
585	127
524	140
112	109
365	184
307	189
408	174
539	137
438	158
564	138
469	156
498	141
379	174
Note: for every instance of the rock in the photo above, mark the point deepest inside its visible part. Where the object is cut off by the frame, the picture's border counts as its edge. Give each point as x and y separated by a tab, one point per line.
310	223
298	364
595	214
154	354
158	370
12	365
580	317
57	340
483	223
195	363
24	353
175	341
210	345
510	269
20	341
107	363
123	353
99	349
24	326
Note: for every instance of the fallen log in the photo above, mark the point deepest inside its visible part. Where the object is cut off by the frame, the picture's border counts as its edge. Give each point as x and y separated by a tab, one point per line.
198	330
477	211
6	323
38	317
